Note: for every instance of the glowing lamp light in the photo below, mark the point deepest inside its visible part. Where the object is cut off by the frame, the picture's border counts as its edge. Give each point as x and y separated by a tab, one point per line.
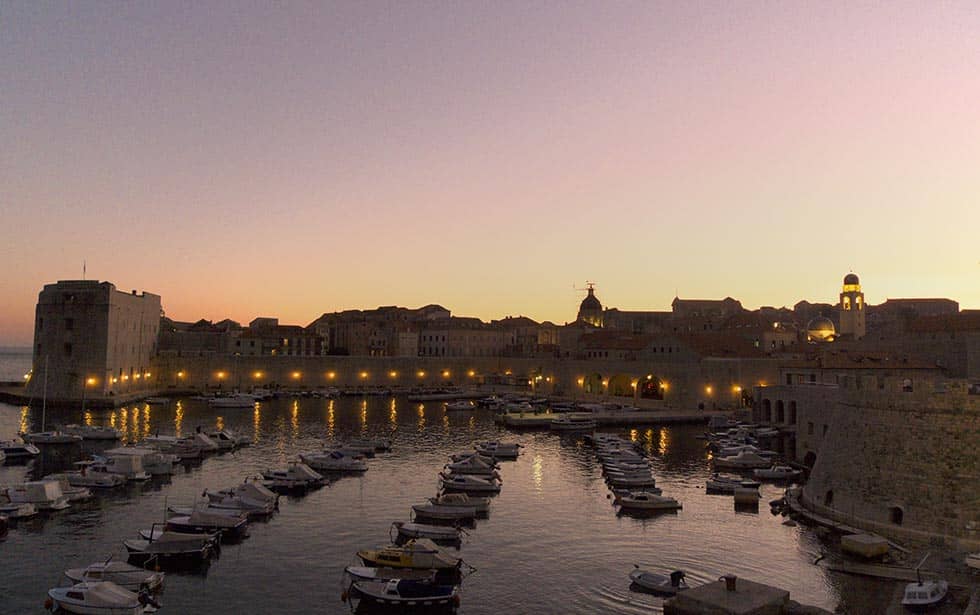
581	381
633	384
221	375
737	388
331	375
125	377
548	379
147	374
363	375
114	380
393	374
180	374
136	376
296	375
90	381
421	374
445	373
708	389
257	375
508	373
27	376
471	373
663	386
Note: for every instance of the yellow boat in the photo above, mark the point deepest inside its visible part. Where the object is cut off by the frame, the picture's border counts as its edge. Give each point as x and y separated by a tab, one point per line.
420	553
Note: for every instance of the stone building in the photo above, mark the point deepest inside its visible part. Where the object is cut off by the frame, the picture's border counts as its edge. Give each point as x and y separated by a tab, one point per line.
590	310
91	340
852	308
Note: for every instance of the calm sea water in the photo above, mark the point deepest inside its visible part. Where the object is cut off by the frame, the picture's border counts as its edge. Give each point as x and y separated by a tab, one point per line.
553	542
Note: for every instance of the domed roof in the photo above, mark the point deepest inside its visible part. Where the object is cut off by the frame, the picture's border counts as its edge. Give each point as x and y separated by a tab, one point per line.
821	329
851	278
590	303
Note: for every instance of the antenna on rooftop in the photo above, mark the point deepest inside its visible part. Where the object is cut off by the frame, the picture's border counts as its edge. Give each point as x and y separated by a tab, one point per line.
84	267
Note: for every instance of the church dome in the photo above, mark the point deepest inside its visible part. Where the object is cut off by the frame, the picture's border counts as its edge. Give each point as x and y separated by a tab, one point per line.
851	278
590	303
821	329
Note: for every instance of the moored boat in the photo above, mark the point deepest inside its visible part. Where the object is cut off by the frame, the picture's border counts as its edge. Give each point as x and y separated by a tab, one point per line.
467	483
127	576
172	548
15	451
100	598
231	526
93	432
44	495
419	553
413	595
436	533
480	504
777	472
667	585
297	476
333	461
924	594
648	501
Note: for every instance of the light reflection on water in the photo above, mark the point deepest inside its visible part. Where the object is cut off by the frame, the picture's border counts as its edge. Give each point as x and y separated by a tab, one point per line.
553	522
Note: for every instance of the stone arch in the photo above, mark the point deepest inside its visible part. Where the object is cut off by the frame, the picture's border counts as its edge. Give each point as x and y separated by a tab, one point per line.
651	388
896	515
780	412
620	385
766	411
593	384
792	413
809	459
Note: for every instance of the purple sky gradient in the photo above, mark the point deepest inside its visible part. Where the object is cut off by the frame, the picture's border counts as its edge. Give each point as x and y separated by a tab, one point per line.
254	159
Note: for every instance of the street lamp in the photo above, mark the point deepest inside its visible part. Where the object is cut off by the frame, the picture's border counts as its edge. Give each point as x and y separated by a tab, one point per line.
85	385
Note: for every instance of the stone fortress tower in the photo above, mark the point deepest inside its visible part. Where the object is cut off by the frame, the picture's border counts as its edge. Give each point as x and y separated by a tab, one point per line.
852	310
590	310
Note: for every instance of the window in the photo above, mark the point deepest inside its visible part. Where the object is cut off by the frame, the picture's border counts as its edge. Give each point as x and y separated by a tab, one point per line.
896	515
67	349
69	324
809	428
825	427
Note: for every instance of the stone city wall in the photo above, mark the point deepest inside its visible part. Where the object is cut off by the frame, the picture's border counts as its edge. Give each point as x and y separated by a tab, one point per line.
717	383
904	465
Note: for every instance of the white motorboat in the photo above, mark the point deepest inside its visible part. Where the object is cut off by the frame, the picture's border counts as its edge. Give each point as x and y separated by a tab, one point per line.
621	492
658	583
727	485
45	495
648	501
435	533
16	510
427	595
499	450
460	406
742	461
232	527
333	461
295	476
250	496
924	594
239	400
73	493
172	547
473	465
457	457
127	576
364	449
51	437
572	422
481	504
777	472
202	441
101	598
226	440
14	450
92	432
468	483
128	466
154	462
85	477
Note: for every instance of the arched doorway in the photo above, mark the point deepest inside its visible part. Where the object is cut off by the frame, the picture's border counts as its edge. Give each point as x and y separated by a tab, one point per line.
766	411
792	413
651	388
593	384
780	412
621	385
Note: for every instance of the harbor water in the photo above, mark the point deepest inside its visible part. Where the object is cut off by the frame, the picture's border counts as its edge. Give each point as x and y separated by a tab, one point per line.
553	541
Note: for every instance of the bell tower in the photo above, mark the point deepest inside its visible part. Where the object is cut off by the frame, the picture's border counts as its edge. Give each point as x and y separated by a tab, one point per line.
852	308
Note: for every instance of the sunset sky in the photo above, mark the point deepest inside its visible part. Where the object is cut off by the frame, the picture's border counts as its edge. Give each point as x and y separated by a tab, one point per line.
289	159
